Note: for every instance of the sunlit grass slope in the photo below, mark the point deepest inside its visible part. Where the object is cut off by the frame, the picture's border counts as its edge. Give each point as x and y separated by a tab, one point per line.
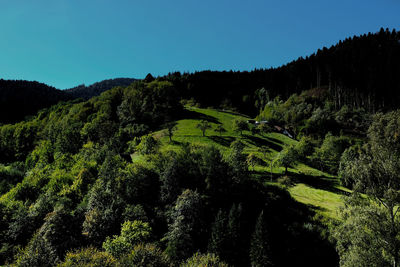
312	187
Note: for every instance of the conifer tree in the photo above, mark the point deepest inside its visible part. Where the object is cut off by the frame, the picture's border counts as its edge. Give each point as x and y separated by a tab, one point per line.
218	238
260	252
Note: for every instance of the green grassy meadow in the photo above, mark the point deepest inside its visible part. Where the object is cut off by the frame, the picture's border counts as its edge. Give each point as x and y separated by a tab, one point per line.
316	189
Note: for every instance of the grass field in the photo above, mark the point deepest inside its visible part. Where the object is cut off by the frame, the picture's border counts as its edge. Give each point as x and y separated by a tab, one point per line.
319	190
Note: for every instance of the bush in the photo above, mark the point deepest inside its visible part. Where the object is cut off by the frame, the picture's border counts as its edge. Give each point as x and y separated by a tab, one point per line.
200	260
285	181
88	257
132	233
146	255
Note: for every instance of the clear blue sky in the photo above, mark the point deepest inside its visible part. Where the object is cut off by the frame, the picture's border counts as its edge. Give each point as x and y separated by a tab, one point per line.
69	42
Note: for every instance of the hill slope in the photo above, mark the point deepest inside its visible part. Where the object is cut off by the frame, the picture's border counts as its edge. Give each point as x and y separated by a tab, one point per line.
362	71
97	88
320	191
22	98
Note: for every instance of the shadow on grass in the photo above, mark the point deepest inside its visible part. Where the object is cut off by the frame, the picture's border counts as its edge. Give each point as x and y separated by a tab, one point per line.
232	113
188	114
259	142
275	140
175	142
222	140
265	176
318	182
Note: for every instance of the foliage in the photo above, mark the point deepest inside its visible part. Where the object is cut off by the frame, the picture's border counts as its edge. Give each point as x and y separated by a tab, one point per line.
264	128
90	257
240	125
287	157
132	233
252	160
260	253
171	128
203	126
220	129
304	147
327	157
374	172
237	161
185	226
145	255
198	260
148	145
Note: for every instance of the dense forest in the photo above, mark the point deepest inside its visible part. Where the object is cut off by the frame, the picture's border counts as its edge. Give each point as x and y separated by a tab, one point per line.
86	92
361	71
155	172
16	99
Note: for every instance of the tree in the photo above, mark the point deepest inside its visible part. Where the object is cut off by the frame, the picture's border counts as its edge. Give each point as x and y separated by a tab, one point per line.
220	129
219	236
200	260
184	229
286	157
88	257
237	161
148	145
304	147
252	160
203	126
235	244
260	252
264	128
374	172
145	255
327	157
171	128
240	125
132	233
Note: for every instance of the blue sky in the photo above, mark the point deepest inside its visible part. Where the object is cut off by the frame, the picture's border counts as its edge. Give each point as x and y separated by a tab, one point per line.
68	42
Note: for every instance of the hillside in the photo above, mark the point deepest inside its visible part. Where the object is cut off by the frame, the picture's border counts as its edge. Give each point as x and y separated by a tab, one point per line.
321	191
22	98
87	92
360	71
265	168
77	172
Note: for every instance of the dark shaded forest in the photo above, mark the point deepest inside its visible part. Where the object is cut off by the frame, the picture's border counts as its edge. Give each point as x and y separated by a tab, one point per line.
361	71
86	92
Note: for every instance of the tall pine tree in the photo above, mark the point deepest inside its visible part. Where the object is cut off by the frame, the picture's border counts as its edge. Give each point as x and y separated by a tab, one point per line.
260	251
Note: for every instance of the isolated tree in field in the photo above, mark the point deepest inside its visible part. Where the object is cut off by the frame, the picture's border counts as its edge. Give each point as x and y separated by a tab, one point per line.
220	129
203	126
286	157
374	171
240	126
171	128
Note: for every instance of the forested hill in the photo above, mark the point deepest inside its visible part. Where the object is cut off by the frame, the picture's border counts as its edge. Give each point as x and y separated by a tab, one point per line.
86	92
362	71
21	98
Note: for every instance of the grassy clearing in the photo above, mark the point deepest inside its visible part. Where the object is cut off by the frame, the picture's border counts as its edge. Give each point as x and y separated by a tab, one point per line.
321	191
322	201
